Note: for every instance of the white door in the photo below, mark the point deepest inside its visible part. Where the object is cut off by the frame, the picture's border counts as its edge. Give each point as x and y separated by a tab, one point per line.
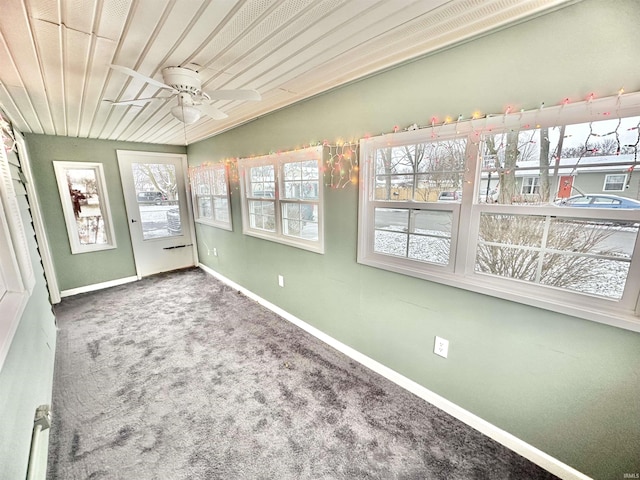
159	213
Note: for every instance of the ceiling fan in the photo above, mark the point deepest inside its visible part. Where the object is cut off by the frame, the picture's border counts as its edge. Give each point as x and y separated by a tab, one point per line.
186	85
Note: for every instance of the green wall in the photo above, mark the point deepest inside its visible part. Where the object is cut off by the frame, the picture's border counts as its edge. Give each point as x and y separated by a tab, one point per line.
83	269
568	386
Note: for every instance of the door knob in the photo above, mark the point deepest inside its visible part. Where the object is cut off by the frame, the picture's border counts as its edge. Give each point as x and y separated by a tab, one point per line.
133	221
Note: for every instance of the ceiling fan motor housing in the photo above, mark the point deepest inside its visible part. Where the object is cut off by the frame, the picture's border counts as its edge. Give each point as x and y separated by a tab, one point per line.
183	79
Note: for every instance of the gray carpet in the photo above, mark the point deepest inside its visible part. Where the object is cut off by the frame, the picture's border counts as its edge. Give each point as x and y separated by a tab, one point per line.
181	377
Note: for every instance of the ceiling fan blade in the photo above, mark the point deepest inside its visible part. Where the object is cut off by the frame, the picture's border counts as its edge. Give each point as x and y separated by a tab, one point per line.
139	76
136	101
211	111
234	95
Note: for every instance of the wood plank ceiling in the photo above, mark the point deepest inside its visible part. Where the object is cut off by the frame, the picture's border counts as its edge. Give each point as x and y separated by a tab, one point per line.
55	55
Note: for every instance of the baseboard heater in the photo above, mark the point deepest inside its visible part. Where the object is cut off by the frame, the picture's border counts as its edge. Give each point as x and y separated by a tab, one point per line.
37	468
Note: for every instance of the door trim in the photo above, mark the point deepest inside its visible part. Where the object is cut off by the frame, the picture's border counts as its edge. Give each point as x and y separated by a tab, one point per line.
187	187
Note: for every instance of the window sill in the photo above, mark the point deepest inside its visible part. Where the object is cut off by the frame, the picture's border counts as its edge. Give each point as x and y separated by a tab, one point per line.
211	223
316	247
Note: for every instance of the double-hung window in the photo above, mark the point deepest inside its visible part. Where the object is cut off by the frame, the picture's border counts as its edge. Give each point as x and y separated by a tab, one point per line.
615	182
415	188
282	198
210	194
511	206
531	185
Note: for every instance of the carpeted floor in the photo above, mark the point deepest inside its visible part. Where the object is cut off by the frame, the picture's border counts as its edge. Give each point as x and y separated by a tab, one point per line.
181	377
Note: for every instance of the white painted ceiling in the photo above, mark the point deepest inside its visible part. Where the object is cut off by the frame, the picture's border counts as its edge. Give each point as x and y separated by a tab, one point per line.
55	54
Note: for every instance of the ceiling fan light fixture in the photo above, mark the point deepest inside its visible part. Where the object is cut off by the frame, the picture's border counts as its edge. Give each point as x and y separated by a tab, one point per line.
186	114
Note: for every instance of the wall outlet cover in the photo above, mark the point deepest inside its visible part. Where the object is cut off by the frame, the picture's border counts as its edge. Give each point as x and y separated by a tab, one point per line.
441	347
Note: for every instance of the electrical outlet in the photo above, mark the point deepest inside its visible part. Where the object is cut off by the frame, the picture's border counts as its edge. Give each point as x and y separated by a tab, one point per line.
281	280
441	347
215	252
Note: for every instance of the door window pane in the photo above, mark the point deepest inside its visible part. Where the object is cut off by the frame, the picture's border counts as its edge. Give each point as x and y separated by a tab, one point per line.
157	195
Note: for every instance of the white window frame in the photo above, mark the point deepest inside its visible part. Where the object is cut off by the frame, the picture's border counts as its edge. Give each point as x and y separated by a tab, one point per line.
460	272
60	168
278	161
368	206
206	177
606	182
535	184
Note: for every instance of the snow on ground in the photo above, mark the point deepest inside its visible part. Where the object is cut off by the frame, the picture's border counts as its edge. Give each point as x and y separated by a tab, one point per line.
607	279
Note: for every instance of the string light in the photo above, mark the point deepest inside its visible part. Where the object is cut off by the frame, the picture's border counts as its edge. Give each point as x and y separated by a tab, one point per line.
341	167
509	110
342	164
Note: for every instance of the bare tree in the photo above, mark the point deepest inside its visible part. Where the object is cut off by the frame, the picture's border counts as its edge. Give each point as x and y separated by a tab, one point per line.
505	164
427	168
161	176
572	236
545	187
607	146
385	156
447	164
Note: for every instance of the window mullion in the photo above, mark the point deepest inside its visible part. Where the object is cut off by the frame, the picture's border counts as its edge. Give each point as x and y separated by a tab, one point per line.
543	248
278	172
464	233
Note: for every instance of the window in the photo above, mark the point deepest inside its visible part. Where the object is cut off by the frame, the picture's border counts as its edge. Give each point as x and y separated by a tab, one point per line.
501	208
85	204
210	193
530	185
416	199
614	183
282	198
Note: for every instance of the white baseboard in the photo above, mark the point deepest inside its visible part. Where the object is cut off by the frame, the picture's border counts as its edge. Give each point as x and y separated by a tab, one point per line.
97	286
530	452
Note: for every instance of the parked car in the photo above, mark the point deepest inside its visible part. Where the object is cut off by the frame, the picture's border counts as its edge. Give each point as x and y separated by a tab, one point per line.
455	196
598	201
156	198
